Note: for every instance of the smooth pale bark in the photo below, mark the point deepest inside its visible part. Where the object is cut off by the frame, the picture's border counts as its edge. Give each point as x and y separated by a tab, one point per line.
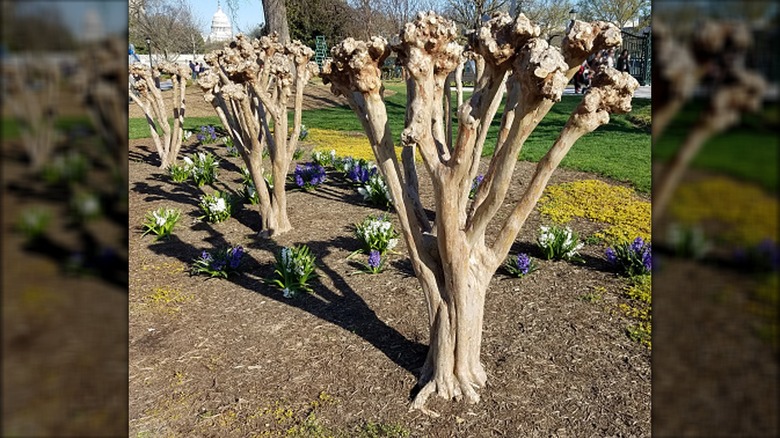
106	100
151	101
452	259
250	84
35	109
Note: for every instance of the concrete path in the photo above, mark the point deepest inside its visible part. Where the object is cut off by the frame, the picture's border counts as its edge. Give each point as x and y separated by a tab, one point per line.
643	92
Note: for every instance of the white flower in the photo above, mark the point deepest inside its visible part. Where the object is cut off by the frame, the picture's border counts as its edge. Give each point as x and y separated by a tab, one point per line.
299	271
364	192
88	205
218	206
201	156
285	256
392	243
189	162
287	293
159	220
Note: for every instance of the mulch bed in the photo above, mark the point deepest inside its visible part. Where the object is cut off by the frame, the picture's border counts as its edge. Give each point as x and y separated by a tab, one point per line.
235	358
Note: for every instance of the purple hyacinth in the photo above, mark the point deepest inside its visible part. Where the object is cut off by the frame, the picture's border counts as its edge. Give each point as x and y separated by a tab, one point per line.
611	256
638	245
374	259
523	263
234	256
205	256
309	175
647	259
218	265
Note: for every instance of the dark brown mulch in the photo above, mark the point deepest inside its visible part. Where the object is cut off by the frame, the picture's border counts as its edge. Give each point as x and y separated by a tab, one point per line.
235	358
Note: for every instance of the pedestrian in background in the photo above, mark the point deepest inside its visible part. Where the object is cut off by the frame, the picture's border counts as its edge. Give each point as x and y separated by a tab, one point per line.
624	61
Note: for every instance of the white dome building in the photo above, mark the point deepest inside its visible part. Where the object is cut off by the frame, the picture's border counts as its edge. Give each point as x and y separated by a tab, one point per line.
221	29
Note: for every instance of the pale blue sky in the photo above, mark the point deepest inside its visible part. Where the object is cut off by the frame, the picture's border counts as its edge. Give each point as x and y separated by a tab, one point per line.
248	15
112	12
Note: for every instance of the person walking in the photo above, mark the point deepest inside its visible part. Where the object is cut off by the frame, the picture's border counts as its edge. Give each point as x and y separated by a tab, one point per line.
623	61
196	71
609	58
582	78
192	69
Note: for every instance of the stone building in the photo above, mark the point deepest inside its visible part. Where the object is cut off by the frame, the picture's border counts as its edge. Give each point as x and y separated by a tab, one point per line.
221	29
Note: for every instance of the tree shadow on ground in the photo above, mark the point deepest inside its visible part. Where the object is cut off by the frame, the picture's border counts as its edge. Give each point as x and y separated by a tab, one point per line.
340	305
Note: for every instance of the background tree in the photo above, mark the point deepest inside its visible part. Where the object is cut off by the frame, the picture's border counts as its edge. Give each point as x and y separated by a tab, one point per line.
249	84
169	23
619	12
469	14
333	19
552	16
453	256
37	28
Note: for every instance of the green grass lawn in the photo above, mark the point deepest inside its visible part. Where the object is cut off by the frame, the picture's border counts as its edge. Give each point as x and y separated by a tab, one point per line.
10	129
619	150
748	151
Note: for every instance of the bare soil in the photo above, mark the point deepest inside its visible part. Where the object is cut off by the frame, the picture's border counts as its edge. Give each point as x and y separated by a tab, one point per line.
234	358
64	367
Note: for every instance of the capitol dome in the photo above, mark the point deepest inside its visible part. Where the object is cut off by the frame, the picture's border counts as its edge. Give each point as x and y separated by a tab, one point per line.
221	29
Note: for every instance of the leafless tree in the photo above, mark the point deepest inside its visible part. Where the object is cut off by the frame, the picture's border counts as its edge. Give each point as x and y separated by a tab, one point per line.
169	23
470	14
618	12
144	92
250	84
552	16
453	257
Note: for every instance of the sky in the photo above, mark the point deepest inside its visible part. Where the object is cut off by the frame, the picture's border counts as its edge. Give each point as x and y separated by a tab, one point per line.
248	15
112	12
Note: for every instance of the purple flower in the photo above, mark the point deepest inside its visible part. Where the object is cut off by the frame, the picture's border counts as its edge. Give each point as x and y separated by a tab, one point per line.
611	257
638	245
234	256
218	265
205	256
374	259
309	175
647	260
523	263
200	137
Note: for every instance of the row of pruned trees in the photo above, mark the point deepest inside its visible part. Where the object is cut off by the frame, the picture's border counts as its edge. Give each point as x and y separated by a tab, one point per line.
251	82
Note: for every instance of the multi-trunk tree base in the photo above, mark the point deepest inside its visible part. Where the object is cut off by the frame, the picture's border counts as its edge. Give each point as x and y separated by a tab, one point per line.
450	256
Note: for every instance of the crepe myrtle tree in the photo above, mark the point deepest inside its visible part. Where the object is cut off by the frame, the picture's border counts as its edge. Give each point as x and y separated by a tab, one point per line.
452	256
250	84
145	93
33	90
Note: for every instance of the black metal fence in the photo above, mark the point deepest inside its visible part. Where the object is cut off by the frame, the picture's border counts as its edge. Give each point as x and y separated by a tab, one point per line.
639	47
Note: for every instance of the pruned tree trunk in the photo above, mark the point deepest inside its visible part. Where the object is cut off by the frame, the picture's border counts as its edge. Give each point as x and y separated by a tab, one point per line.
151	101
106	101
451	257
250	84
32	88
716	53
